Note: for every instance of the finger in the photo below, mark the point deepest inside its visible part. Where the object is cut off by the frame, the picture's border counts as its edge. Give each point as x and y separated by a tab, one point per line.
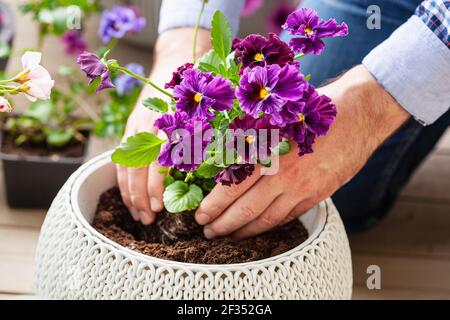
137	184
269	219
302	208
246	209
221	197
155	187
122	180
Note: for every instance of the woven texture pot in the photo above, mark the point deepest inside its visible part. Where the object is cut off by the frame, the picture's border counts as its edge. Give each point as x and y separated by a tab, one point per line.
74	261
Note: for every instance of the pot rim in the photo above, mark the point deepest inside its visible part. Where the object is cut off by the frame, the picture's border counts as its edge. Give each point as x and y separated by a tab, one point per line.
45	159
105	159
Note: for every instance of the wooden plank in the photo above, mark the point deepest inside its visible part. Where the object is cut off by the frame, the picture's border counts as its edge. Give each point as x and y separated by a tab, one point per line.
17	251
362	293
431	182
402	271
419	229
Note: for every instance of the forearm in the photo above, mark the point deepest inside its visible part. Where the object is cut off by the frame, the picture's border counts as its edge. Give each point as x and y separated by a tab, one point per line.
173	49
367	116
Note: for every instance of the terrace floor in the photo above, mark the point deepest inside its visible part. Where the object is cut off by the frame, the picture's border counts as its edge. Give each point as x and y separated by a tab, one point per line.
412	246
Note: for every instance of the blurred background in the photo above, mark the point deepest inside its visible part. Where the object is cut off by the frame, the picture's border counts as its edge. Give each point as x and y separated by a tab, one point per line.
411	246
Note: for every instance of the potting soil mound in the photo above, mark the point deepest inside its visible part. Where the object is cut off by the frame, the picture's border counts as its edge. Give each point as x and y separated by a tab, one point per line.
180	238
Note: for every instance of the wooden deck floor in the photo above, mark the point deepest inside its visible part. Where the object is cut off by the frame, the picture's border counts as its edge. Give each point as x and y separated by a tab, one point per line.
412	246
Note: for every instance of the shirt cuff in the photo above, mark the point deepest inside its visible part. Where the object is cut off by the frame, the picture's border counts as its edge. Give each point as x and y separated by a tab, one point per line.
413	65
184	13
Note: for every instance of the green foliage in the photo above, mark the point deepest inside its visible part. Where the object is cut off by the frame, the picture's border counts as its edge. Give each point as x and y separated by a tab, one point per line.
138	151
180	197
156	104
49	122
283	148
221	35
207	170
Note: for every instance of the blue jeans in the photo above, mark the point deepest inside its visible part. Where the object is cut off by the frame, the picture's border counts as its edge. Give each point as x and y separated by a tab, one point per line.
365	200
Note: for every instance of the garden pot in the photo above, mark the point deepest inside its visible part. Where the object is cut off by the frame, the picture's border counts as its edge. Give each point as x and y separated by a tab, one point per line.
34	181
74	261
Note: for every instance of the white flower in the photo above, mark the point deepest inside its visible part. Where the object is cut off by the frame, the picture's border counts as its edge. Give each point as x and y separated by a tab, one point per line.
5	106
36	79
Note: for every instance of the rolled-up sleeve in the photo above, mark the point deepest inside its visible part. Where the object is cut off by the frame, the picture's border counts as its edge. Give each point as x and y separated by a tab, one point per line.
184	13
413	65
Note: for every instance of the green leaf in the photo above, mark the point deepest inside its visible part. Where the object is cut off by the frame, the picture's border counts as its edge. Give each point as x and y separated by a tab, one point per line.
138	151
207	170
41	110
168	180
180	197
210	59
221	35
58	137
283	148
156	104
308	77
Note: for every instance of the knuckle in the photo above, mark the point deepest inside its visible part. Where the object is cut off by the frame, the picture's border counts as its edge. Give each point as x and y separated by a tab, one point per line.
233	191
267	221
246	213
138	200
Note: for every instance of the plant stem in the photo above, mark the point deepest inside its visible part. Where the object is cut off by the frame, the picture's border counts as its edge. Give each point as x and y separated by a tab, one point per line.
145	80
189	176
299	56
197	27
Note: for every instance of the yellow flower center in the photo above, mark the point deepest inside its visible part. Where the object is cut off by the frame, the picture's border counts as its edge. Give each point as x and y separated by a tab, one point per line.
301	117
259	57
198	97
250	139
308	30
264	93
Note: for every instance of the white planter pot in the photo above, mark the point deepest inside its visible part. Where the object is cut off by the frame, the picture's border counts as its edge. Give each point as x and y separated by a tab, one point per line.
74	261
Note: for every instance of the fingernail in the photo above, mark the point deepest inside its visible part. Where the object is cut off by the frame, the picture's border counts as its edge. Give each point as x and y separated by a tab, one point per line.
135	214
155	204
202	218
146	218
209	234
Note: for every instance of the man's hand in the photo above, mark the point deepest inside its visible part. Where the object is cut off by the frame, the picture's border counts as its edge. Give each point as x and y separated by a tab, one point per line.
367	116
142	189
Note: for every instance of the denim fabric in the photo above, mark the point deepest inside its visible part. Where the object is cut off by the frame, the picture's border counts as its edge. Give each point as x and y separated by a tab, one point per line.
370	195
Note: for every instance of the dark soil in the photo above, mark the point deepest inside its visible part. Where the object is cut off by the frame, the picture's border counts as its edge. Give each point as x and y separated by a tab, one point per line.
180	238
75	149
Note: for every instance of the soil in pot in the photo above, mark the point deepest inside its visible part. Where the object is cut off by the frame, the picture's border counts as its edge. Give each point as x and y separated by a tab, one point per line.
180	238
74	149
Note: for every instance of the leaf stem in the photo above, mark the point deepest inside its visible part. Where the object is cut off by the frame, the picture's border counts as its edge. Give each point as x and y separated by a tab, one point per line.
197	27
145	80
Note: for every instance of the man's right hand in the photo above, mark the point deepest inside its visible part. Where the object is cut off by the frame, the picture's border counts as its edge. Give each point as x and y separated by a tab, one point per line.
142	189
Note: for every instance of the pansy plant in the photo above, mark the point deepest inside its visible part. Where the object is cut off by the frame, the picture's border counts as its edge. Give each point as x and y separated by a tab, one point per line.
241	105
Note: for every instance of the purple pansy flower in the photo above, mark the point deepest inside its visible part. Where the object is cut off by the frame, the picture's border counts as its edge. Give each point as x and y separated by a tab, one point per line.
188	141
73	42
267	90
278	16
235	174
117	22
199	92
306	23
177	76
250	141
126	83
94	68
250	7
314	118
256	50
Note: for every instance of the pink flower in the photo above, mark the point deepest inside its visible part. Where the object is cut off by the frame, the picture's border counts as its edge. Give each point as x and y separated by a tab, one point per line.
251	6
5	106
35	78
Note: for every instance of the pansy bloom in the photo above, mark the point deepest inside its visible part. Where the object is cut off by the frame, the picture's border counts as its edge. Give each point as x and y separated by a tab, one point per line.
94	68
74	42
188	141
177	76
200	92
306	24
267	91
117	22
252	138
235	174
278	15
315	115
256	50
